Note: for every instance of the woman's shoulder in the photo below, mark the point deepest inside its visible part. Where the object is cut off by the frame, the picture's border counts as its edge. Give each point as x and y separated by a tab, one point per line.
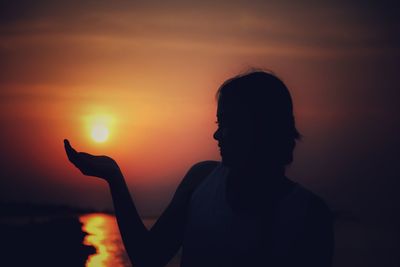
205	165
312	202
196	175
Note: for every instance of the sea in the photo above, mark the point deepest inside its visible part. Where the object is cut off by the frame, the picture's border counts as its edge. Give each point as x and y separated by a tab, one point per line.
103	233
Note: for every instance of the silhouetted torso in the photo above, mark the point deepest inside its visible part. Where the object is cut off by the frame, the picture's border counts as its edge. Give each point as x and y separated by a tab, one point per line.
217	235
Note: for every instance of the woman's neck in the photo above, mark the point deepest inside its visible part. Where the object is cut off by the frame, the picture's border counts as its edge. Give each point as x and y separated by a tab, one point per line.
259	171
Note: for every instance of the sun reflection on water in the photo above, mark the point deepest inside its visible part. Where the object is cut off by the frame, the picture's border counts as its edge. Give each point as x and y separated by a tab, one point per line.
103	234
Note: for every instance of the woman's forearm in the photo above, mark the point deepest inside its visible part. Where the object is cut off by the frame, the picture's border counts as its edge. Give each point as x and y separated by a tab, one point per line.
133	232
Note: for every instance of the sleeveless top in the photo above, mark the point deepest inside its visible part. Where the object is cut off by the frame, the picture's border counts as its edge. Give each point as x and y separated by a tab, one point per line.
216	236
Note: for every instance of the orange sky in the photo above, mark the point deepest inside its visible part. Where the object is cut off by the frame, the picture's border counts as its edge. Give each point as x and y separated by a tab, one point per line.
155	68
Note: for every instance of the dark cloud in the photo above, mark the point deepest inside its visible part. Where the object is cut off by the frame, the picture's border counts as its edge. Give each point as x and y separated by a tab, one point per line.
304	23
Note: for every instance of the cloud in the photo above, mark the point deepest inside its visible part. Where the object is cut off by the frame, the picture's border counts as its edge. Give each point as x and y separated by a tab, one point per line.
301	24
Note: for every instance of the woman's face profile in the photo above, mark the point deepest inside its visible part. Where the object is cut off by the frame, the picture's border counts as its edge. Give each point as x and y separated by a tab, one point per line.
235	134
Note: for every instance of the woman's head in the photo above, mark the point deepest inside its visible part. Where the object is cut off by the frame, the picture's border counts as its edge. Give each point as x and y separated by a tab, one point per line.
255	120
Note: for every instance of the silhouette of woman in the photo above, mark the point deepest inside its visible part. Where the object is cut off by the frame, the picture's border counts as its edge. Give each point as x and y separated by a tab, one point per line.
242	211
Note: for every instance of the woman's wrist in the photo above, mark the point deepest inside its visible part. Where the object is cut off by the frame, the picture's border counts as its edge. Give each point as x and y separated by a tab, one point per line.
115	178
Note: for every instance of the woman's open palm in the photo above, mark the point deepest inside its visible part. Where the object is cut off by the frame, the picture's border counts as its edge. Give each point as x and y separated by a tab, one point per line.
91	165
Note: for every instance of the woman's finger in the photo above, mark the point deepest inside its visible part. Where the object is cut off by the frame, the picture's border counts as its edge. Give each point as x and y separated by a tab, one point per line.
71	152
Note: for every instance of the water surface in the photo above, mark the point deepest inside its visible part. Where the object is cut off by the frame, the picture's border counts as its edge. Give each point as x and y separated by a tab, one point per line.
104	235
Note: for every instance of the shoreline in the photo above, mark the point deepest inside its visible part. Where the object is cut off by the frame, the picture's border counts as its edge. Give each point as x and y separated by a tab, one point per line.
51	241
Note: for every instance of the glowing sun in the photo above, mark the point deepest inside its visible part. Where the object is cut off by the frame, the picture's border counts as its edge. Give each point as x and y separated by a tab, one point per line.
99	133
99	127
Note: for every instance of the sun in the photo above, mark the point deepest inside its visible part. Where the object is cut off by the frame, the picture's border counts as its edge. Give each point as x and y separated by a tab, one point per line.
99	133
99	127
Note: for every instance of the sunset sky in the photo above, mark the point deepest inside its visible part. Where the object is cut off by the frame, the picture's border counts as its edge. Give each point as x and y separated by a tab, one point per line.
150	71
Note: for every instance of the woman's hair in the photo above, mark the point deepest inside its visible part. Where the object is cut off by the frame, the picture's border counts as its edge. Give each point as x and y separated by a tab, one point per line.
266	101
